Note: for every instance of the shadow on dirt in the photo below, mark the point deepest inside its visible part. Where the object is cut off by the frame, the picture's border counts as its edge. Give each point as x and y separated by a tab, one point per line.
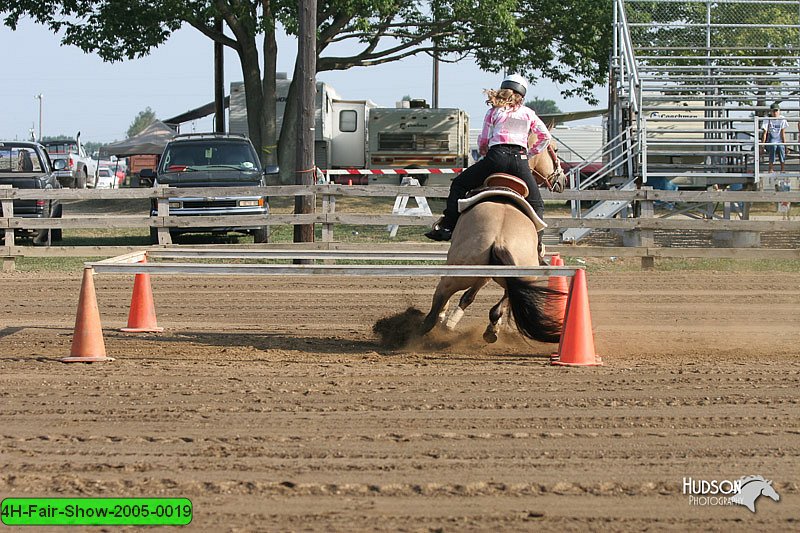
271	341
400	332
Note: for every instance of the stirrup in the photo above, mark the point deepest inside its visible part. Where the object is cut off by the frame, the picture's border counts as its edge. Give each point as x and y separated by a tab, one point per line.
440	234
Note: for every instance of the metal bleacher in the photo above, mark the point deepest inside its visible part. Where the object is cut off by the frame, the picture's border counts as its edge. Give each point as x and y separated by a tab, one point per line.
691	84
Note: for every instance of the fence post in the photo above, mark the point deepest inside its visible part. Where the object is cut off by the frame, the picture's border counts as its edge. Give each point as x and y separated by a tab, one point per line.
8	213
328	208
162	200
647	236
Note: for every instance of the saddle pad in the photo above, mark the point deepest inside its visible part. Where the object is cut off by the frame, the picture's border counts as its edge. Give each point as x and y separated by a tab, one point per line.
518	200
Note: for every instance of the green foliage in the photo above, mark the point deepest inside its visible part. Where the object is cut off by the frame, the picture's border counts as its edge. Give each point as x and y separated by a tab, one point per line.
742	29
543	107
566	41
142	120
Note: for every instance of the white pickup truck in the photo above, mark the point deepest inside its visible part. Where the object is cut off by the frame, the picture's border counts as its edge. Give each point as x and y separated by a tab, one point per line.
80	171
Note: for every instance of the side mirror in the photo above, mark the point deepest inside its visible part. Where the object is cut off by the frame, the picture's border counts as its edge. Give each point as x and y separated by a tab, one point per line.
59	164
272	170
147	177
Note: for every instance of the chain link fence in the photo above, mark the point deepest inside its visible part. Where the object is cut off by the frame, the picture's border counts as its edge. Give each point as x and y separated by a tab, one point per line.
754	32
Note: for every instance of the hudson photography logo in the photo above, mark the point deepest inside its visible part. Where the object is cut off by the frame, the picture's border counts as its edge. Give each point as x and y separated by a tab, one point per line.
743	491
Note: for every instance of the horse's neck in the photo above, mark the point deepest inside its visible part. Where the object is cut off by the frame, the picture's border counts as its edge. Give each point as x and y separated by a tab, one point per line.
542	163
752	489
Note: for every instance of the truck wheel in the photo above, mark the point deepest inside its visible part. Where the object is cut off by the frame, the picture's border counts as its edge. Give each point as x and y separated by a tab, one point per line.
261	235
57	233
80	179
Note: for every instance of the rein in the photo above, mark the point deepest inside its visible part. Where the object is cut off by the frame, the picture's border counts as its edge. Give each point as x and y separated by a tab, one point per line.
556	180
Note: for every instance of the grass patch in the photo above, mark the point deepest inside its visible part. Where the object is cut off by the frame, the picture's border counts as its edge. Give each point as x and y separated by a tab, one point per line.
53	264
634	264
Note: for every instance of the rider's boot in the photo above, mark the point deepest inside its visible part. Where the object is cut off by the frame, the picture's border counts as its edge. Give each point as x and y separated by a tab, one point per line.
442	230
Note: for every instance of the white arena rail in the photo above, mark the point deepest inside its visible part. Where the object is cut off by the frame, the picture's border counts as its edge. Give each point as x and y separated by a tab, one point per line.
135	263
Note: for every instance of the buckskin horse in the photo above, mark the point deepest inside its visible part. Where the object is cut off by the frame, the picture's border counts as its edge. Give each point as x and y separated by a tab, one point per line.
498	227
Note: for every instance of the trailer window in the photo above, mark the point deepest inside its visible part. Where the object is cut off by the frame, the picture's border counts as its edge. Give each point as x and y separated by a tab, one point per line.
348	120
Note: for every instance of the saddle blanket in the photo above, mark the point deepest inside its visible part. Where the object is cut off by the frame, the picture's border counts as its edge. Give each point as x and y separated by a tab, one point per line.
518	200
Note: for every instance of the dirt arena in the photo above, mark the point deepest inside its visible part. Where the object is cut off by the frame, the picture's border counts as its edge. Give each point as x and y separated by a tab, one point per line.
273	407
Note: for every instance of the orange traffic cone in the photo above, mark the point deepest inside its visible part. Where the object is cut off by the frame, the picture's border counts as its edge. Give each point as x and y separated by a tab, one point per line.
142	316
556	305
577	342
87	338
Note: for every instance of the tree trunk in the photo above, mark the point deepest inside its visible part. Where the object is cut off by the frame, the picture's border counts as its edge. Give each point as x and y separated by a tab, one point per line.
269	134
254	98
219	81
286	143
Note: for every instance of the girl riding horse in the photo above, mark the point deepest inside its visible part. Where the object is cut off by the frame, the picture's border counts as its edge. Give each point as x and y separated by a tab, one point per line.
511	134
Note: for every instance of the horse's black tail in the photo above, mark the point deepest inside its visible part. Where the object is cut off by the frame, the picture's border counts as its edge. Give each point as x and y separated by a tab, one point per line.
527	301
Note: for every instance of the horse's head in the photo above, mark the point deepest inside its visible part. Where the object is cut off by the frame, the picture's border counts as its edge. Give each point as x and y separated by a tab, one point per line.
547	171
751	488
768	491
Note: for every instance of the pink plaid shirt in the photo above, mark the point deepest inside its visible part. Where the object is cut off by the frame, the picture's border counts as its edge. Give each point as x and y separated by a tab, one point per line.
507	125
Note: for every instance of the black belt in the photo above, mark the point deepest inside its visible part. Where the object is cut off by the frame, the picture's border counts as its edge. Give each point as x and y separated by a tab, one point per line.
515	148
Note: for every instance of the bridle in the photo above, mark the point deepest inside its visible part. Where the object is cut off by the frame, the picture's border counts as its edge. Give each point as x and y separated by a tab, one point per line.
555	181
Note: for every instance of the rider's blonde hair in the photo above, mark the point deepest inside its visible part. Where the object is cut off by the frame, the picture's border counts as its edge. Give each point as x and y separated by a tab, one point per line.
503	98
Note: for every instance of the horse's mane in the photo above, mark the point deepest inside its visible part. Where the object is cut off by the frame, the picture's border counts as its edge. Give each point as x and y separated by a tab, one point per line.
745	480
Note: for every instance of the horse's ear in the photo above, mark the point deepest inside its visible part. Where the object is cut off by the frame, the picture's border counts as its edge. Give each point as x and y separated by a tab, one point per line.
551	124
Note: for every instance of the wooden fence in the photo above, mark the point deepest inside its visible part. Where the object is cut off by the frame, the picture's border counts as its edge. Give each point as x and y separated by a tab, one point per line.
639	229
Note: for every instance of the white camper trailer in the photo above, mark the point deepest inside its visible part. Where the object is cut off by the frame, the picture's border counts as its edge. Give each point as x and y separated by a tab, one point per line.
357	134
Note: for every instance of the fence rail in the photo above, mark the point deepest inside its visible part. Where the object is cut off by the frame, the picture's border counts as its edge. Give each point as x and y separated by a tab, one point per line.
640	228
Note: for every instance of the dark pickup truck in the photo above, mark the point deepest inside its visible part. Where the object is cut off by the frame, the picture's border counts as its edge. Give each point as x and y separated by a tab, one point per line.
200	160
26	165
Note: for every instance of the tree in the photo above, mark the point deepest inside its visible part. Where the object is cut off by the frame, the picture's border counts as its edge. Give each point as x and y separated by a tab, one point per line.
567	41
543	107
142	120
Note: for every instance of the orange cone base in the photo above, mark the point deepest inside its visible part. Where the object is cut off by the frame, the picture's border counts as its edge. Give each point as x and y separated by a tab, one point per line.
142	330
554	361
86	359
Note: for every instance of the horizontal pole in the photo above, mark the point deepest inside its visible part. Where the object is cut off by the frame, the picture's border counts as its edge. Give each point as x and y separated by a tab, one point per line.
409	255
492	271
565	250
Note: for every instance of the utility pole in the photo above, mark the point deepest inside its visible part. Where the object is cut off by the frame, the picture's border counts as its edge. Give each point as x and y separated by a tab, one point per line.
304	155
435	99
40	97
435	74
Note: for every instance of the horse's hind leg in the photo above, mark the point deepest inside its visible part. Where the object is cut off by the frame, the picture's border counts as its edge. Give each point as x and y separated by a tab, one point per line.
495	316
444	290
466	299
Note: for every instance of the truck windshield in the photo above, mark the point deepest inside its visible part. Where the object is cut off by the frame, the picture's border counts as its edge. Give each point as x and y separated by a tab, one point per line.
61	148
205	155
14	159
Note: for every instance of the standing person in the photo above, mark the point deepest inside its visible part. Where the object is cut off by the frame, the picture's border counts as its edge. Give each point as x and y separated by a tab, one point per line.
503	142
775	132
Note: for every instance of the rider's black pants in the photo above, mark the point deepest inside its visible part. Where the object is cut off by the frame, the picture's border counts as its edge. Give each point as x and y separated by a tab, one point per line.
509	158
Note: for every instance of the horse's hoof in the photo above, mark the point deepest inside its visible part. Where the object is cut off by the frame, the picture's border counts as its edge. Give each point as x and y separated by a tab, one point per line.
427	326
490	336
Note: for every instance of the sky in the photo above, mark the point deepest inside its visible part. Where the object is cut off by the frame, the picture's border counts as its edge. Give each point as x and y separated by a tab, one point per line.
82	93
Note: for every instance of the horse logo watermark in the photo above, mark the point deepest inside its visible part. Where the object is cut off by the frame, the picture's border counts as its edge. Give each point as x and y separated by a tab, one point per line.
743	491
751	487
